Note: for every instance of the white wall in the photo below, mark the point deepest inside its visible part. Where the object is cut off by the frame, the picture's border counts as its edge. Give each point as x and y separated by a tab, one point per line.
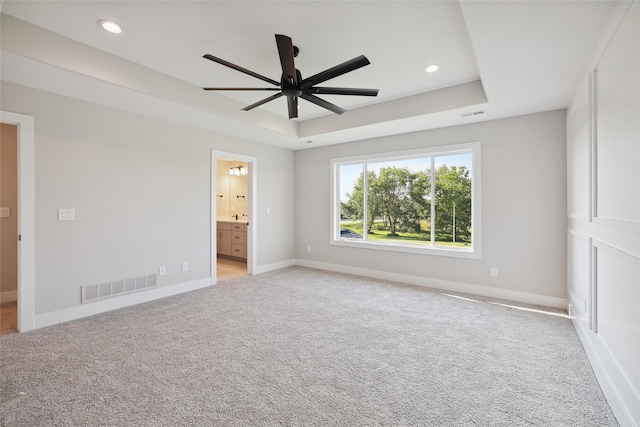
523	211
603	179
141	191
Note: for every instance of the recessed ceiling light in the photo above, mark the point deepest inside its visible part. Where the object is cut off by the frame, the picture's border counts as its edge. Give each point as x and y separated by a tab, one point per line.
110	26
431	68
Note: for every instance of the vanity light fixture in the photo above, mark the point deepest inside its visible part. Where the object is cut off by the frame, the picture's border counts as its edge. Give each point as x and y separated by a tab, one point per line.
110	26
238	170
431	68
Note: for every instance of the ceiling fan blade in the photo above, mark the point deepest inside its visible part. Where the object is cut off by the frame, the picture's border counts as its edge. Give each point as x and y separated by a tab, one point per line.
242	70
341	91
292	103
241	88
336	71
322	103
285	50
264	101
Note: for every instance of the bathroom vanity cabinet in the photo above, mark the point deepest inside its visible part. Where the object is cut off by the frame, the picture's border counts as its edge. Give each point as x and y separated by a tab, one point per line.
232	239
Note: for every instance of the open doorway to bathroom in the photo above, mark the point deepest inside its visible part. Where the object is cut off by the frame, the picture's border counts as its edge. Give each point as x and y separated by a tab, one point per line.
8	228
232	196
233	225
25	216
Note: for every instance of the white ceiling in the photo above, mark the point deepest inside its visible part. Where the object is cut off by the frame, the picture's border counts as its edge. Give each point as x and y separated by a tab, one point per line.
504	58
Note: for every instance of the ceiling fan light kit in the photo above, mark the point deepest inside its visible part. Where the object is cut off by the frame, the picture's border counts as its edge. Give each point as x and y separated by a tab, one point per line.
293	86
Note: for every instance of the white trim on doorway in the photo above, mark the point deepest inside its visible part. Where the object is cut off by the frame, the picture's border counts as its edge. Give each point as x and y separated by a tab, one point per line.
252	205
26	217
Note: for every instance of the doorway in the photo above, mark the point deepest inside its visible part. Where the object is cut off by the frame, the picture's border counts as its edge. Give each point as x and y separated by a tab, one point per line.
8	228
25	292
233	180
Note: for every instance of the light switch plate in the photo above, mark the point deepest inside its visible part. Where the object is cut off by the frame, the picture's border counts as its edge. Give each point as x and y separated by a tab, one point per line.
66	214
5	212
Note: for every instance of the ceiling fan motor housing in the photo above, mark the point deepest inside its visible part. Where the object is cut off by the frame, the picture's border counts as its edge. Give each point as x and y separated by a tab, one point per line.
291	87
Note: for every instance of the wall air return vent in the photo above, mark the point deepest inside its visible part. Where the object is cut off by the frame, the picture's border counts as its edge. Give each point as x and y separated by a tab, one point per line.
117	287
129	285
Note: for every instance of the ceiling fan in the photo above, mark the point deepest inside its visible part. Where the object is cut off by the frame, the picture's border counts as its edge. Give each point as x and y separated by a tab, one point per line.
293	86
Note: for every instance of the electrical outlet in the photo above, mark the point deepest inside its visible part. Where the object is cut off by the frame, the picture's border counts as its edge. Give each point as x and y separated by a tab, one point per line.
268	211
163	270
308	249
185	266
494	272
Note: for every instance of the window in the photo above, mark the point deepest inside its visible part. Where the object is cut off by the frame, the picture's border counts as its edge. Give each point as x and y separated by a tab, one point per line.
421	201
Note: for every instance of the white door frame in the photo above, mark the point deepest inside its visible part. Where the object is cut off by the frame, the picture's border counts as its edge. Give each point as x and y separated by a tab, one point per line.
251	207
26	217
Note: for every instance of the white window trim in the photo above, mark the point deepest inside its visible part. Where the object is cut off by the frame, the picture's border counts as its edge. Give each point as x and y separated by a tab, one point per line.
475	250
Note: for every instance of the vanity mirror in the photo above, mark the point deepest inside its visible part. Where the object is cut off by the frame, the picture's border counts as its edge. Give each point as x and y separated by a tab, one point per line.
232	190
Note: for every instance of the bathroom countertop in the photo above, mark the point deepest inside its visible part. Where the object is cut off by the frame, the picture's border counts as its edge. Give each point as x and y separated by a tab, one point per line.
233	221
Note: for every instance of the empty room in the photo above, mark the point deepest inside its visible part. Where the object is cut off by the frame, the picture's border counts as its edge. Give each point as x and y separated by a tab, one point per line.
320	213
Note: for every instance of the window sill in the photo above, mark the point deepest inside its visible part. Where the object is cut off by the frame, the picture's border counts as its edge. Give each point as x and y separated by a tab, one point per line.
470	253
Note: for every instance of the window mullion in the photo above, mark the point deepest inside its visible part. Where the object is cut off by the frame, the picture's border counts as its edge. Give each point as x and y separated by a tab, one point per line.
433	201
336	197
365	200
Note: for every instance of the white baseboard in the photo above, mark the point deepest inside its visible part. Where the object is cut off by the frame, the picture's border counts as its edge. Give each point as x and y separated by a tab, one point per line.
97	307
622	399
446	285
275	266
8	296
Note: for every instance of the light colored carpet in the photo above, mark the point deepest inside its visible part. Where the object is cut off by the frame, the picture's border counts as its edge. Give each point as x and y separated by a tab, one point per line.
303	347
